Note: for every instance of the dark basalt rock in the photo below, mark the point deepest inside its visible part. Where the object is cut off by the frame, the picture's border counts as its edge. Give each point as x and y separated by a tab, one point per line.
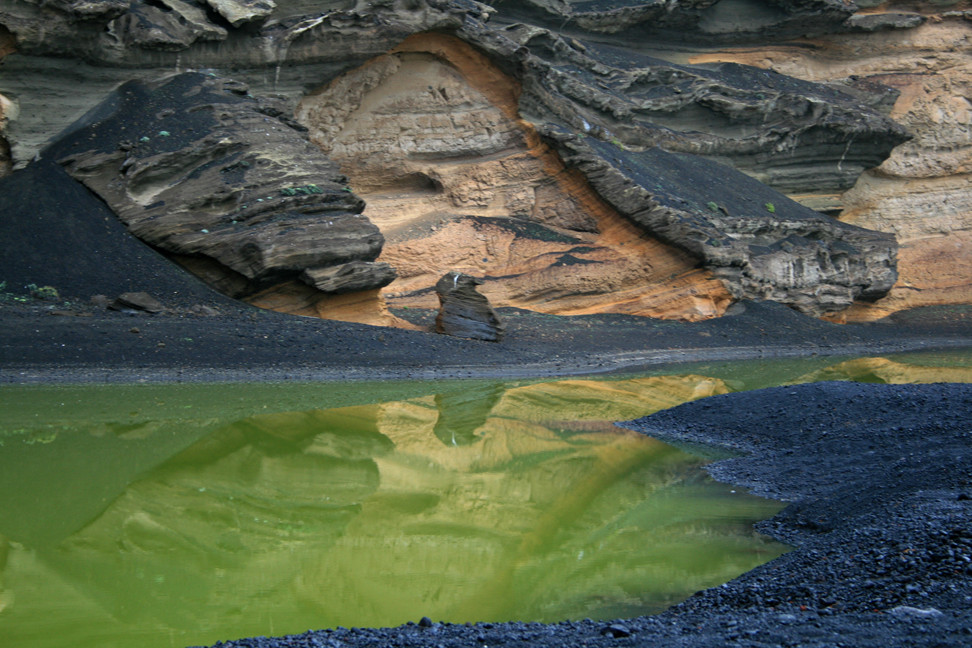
137	301
172	26
350	277
714	21
796	136
193	167
763	245
464	312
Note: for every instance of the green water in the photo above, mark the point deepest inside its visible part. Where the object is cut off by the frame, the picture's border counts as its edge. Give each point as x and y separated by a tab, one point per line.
175	515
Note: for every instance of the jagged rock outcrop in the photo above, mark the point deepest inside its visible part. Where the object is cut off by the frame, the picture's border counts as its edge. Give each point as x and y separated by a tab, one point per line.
201	171
464	312
923	192
795	136
433	108
431	138
763	245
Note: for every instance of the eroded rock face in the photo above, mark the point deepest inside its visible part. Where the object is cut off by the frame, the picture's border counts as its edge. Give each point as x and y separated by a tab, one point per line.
431	135
431	138
923	192
464	312
433	109
202	172
762	244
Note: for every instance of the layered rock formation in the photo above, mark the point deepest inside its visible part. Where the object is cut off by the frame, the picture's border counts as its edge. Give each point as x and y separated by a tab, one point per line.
463	311
570	154
432	140
209	175
923	193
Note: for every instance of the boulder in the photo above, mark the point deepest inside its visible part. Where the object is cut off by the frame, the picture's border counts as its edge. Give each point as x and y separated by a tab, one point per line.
464	312
137	301
349	277
238	12
196	168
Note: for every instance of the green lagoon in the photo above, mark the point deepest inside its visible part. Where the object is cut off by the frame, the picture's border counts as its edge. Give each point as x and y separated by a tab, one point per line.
175	515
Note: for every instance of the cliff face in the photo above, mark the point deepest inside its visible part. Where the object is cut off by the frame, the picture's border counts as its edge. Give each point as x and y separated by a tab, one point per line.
606	158
923	192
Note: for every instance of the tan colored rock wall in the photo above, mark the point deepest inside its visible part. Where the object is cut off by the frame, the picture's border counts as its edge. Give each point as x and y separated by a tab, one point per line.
923	192
431	139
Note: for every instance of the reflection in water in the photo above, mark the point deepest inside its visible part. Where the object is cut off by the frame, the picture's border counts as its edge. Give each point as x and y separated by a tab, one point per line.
883	370
490	503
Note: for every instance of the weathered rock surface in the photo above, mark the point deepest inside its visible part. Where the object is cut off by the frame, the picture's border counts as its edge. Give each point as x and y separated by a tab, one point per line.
433	109
350	277
201	171
923	192
691	20
795	136
430	136
763	245
464	311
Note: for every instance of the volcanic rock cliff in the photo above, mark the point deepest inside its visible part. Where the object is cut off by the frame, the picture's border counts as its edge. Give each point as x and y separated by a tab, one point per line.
331	158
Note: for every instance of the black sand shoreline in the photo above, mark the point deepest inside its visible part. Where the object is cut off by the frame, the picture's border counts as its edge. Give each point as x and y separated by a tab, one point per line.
602	365
39	343
879	477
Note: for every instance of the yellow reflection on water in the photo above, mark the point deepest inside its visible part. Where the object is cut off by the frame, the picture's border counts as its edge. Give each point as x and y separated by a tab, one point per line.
885	370
492	502
174	515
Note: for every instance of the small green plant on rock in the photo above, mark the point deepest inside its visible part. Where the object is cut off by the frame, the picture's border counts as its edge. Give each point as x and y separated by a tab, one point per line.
43	292
770	207
304	190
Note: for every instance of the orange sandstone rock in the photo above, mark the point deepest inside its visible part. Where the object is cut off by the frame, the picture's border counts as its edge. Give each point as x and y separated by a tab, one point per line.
431	138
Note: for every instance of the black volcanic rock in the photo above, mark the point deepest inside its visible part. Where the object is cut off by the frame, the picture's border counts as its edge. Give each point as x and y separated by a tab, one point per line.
680	20
796	136
759	242
350	277
193	167
464	312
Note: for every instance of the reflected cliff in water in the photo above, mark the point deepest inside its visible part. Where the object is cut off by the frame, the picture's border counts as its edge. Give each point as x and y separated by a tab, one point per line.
488	502
176	515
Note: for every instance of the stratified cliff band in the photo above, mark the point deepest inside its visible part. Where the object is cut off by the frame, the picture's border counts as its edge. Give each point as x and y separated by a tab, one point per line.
337	158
